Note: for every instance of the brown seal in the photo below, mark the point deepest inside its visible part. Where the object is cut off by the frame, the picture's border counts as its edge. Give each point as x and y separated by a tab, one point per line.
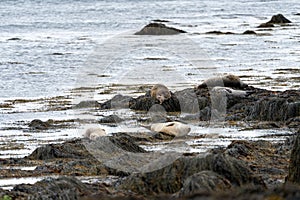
225	81
160	92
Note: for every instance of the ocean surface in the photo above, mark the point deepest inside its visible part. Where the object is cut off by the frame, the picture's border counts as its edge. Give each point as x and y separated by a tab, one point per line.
54	48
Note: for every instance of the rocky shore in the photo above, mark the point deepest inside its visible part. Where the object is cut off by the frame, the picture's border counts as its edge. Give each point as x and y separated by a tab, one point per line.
252	169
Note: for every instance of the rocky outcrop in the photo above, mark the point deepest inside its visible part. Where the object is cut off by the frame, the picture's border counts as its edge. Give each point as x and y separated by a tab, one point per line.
204	181
87	104
294	168
170	179
158	29
38	124
276	19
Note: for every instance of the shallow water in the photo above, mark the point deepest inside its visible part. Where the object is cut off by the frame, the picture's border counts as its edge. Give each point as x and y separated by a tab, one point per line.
57	53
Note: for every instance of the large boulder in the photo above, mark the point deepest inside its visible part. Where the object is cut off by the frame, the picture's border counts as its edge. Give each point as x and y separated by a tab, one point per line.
205	181
158	29
170	179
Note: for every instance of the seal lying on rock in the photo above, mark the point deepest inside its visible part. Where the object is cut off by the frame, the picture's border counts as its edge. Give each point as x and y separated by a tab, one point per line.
230	91
225	81
160	92
93	133
176	129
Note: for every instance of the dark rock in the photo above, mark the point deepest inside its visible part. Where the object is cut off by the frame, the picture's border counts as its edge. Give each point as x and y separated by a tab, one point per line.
145	102
110	119
37	124
50	188
219	33
266	25
294	168
87	104
276	19
279	19
205	181
274	109
190	102
117	102
160	20
69	149
249	32
127	143
14	39
158	29
170	178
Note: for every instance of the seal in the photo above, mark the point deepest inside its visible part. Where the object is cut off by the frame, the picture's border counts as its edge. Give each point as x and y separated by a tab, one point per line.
225	81
230	91
160	92
94	133
176	129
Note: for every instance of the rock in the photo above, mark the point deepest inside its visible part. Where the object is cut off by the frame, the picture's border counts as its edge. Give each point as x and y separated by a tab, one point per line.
87	104
158	29
60	188
279	19
37	124
110	119
117	102
219	33
274	109
145	102
294	168
276	19
204	181
266	25
170	179
69	149
249	32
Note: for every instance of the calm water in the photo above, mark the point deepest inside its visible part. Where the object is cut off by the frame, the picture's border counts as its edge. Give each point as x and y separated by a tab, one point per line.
49	48
45	44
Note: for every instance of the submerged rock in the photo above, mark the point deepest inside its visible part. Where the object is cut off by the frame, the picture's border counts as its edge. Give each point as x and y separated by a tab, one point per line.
87	104
158	29
38	124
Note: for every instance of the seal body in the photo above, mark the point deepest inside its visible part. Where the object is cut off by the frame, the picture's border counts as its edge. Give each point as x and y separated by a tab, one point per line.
225	81
160	92
94	133
176	129
229	91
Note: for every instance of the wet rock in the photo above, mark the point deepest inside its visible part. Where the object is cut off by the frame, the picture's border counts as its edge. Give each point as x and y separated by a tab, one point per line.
219	33
279	19
145	102
158	29
205	181
69	149
87	104
276	19
262	159
249	32
266	25
274	109
38	124
60	188
170	178
117	102
14	39
110	119
294	168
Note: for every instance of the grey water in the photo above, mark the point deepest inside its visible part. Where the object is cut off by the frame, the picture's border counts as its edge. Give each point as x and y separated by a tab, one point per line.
49	48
